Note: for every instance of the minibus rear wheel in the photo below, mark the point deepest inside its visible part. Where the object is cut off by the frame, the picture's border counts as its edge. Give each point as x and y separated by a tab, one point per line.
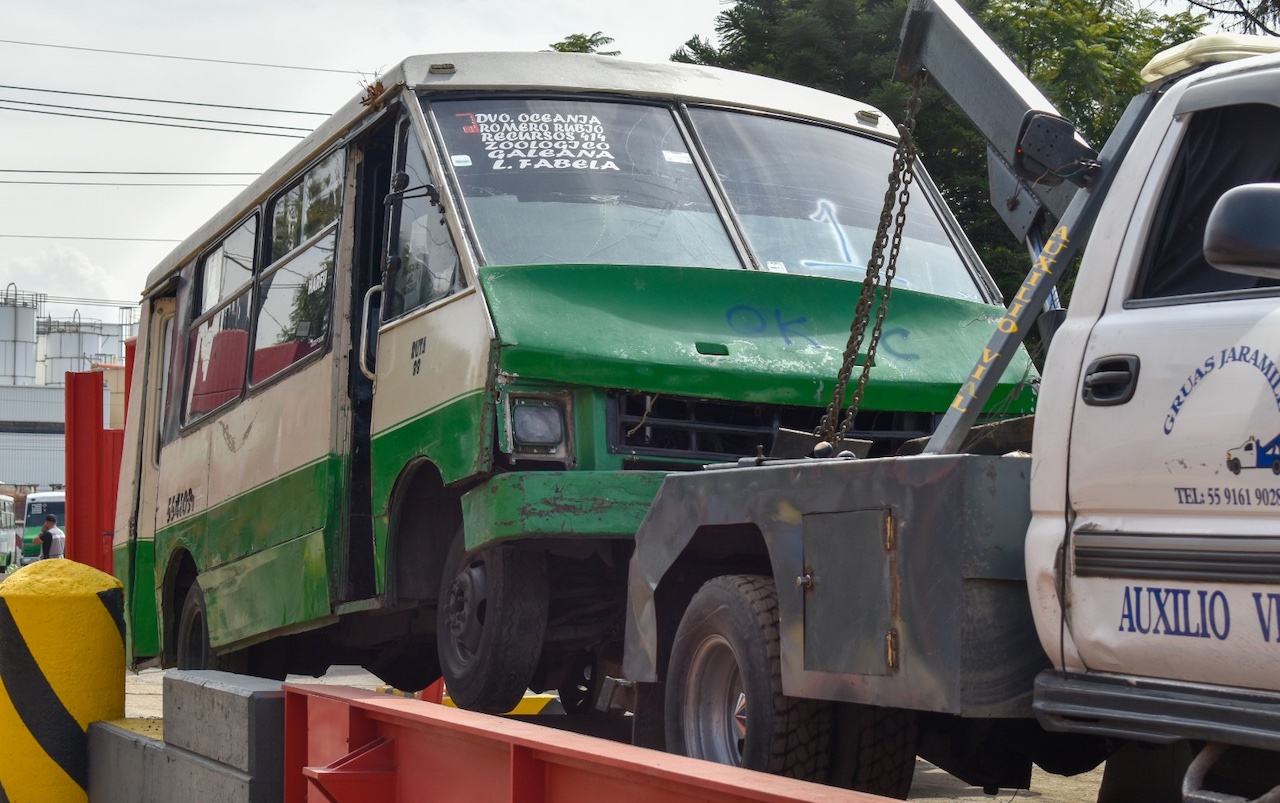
193	650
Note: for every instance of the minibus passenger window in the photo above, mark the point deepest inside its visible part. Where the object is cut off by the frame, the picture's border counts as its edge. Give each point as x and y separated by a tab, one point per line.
292	319
219	338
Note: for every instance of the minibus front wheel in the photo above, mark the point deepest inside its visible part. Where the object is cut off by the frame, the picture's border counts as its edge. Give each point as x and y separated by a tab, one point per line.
491	622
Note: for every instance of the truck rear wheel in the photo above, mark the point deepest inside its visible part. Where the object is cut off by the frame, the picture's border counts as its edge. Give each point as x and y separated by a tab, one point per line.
724	699
875	749
490	624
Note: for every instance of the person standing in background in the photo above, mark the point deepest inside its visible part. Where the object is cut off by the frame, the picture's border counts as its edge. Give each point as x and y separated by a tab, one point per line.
53	542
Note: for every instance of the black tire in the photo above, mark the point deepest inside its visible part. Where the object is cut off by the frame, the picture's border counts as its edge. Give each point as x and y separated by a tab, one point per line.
724	699
192	649
1275	467
1234	465
875	750
491	621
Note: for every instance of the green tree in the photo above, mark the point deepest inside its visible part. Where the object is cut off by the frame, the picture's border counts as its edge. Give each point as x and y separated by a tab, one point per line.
1084	54
1245	16
585	43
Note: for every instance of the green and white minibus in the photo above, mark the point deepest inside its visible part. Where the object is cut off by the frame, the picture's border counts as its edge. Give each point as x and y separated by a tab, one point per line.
405	401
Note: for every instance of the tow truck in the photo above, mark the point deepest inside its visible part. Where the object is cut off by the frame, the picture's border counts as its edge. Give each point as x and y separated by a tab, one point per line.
984	607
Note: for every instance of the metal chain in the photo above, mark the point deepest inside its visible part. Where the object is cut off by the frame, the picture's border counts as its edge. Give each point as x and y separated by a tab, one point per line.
901	178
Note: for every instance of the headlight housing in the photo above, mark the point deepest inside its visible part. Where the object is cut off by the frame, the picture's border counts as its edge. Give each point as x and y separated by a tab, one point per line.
539	427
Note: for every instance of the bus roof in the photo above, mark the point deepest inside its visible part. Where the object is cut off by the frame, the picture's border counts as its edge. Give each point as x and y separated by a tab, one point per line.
551	72
46	496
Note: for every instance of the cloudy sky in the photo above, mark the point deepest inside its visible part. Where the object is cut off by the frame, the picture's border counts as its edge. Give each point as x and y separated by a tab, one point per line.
69	240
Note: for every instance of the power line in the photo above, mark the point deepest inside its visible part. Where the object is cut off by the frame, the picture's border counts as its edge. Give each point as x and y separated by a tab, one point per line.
89	302
154	116
148	122
124	172
181	58
119	183
110	239
158	100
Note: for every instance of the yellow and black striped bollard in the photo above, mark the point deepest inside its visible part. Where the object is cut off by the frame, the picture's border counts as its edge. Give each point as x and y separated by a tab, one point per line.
61	668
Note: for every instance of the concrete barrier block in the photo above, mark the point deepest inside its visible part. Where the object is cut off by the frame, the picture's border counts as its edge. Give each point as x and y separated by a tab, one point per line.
123	764
231	719
130	767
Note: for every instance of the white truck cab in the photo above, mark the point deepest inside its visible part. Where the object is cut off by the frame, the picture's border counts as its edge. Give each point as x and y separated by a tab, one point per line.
1153	556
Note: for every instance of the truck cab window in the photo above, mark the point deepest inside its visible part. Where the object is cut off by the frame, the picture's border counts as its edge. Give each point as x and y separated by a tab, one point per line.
1222	148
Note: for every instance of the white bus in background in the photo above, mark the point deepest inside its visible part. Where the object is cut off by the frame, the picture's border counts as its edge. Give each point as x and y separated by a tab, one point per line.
10	535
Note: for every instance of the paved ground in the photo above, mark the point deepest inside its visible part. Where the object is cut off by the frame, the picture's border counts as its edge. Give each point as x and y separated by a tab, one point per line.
931	785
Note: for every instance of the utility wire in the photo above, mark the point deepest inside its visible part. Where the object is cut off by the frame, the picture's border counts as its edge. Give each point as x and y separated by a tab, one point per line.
181	58
120	183
110	239
149	122
124	172
88	302
154	116
158	100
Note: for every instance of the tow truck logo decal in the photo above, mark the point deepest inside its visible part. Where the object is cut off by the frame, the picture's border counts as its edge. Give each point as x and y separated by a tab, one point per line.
1193	614
1238	354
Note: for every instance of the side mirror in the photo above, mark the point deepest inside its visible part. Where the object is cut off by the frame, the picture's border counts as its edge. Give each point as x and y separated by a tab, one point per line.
1243	232
399	192
1050	150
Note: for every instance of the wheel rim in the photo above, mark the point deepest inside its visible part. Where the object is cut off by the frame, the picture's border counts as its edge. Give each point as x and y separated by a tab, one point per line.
465	610
715	704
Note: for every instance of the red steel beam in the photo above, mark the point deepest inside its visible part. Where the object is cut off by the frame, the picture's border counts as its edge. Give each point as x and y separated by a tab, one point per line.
345	745
92	472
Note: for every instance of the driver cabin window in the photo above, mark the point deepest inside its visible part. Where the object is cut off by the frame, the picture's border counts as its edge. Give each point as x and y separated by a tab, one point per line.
1222	148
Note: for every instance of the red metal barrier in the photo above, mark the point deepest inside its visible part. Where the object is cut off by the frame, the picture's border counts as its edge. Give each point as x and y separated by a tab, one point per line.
93	472
348	745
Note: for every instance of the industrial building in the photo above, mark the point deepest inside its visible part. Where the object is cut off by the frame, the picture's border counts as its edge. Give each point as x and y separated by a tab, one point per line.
36	352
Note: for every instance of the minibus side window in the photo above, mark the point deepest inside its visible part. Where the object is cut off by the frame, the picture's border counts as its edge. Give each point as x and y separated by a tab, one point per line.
220	336
293	291
426	267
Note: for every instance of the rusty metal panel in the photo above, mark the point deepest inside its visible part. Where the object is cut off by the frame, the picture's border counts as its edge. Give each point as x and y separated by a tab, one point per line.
838	547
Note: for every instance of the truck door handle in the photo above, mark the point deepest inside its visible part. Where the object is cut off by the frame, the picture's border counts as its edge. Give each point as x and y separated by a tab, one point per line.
1110	380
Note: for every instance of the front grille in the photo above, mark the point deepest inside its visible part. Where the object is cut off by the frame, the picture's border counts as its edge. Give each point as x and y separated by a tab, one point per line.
680	427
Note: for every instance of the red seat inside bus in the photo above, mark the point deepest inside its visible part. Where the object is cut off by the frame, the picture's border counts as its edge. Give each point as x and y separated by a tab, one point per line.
220	379
271	360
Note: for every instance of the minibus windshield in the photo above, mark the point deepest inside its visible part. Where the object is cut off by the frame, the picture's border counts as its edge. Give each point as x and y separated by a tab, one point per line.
563	181
581	182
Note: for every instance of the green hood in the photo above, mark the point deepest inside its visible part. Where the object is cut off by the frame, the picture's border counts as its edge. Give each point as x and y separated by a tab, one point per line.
737	335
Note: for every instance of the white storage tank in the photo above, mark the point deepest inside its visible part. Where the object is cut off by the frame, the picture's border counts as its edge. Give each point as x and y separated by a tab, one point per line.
18	337
72	345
